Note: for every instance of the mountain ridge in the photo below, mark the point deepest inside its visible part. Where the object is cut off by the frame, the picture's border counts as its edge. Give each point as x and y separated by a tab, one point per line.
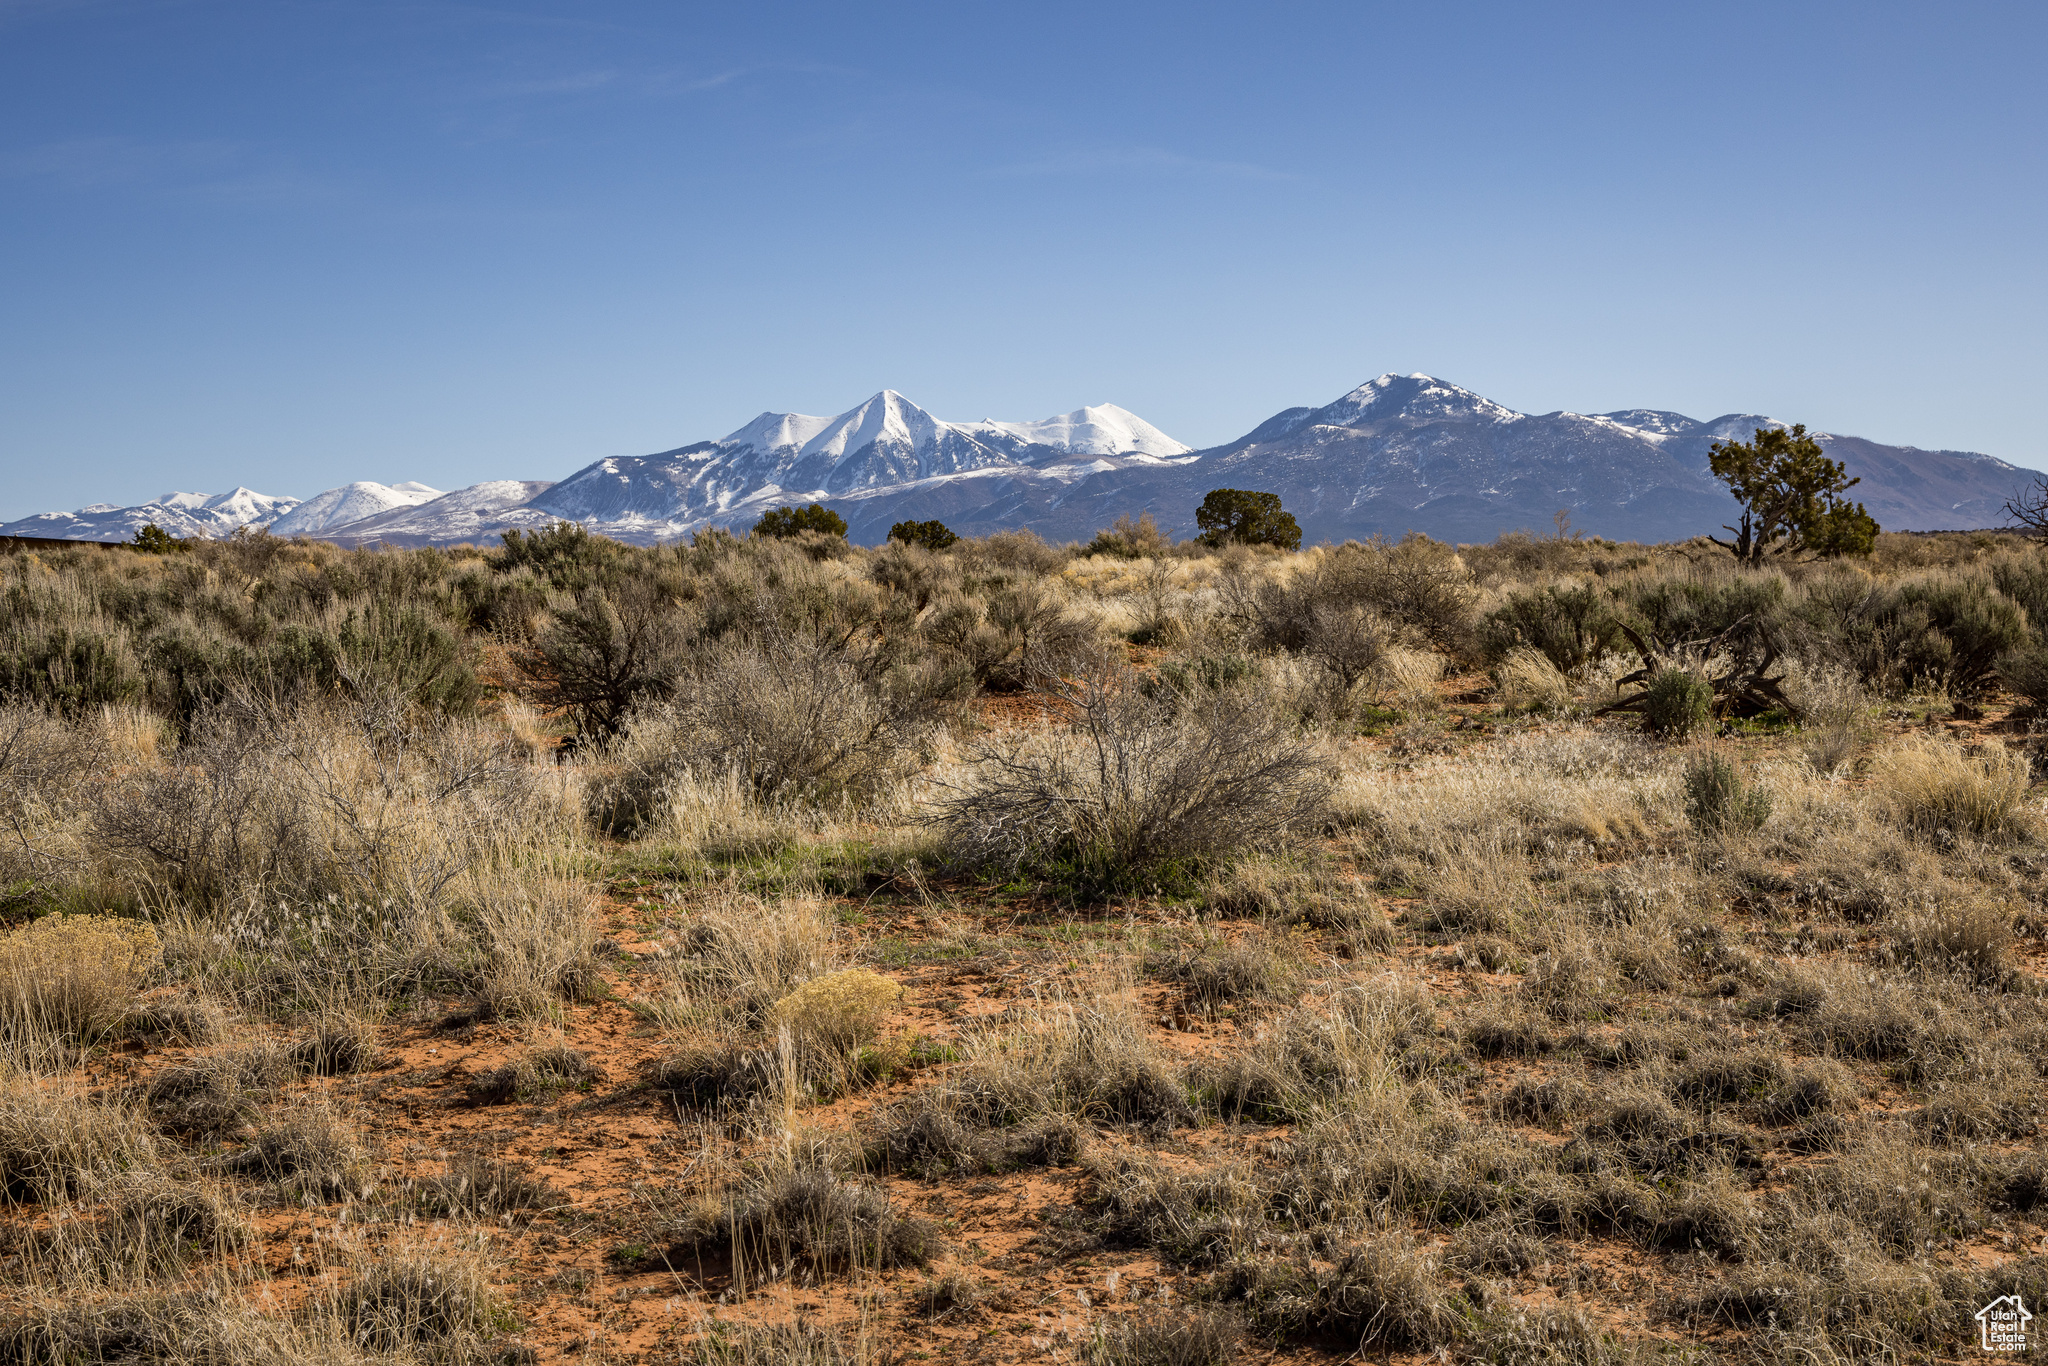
1394	454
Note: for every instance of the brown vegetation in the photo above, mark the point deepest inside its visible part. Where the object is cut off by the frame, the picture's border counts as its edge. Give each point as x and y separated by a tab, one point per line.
754	951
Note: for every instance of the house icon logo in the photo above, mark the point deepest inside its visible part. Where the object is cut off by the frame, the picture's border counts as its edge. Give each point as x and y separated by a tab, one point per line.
2003	1323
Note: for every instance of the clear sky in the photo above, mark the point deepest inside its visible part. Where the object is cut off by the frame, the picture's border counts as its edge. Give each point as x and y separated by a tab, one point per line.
292	243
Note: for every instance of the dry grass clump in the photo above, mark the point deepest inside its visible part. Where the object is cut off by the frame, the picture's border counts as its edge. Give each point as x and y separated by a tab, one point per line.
153	1225
217	1092
338	1043
1496	1246
811	1045
310	1151
1384	1292
803	1214
940	1131
944	1294
1526	680
479	1186
55	1141
1215	972
193	1022
1141	789
1504	1029
1933	788
537	936
68	980
742	956
1193	1336
775	1344
534	1074
1259	888
1349	1054
1194	1218
438	1298
1973	940
198	1327
1834	716
1087	1060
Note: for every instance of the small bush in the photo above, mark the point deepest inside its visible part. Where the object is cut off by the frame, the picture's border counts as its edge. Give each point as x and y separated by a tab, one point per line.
1018	637
785	522
1130	538
840	1010
932	535
1677	703
1949	631
1718	800
70	978
2025	671
1138	792
1571	628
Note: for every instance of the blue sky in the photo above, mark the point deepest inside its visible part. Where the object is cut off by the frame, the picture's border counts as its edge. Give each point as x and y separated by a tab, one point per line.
292	243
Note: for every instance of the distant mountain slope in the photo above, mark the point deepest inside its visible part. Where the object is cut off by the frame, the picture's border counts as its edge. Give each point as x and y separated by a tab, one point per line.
350	503
479	513
181	514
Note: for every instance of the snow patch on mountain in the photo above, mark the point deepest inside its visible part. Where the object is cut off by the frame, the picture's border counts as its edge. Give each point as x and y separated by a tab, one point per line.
1099	429
1413	399
477	513
350	503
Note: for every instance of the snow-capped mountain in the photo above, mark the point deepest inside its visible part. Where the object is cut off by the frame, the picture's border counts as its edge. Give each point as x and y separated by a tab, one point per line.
181	514
479	513
874	450
1412	452
1399	453
349	503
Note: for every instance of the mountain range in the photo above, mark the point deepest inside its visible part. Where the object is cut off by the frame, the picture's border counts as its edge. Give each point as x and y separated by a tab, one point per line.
1399	453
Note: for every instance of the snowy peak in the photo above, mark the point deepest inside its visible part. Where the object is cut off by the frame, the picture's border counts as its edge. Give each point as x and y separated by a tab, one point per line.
1411	399
350	503
777	431
892	421
886	419
1099	429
